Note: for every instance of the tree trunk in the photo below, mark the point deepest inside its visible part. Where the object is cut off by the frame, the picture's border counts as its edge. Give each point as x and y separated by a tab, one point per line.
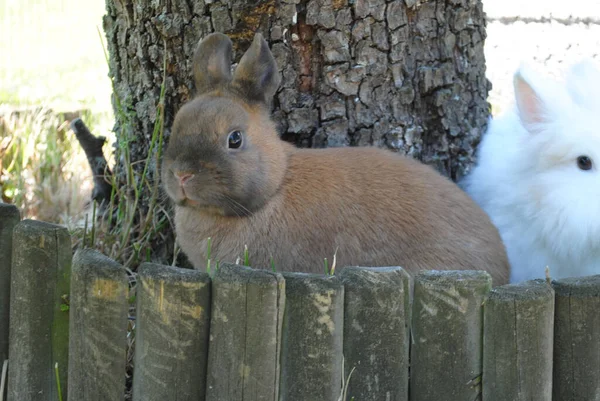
401	74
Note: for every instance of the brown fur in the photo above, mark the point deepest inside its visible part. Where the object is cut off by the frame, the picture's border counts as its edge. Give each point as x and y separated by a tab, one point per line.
299	206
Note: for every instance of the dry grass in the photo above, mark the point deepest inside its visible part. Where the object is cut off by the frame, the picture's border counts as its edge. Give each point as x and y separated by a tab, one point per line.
54	64
58	62
42	168
53	61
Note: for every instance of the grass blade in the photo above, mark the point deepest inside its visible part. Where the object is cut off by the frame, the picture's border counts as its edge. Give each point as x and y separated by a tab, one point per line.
93	239
246	256
58	382
334	262
208	246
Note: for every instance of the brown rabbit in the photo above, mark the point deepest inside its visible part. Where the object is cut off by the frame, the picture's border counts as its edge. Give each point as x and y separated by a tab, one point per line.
234	180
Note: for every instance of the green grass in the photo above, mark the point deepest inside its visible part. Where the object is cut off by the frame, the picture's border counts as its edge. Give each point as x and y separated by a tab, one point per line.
123	231
60	397
246	256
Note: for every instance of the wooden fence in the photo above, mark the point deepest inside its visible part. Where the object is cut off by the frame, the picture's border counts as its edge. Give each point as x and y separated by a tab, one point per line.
251	335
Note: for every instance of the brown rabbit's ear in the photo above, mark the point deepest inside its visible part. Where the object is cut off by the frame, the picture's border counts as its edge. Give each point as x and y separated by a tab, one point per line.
212	62
256	75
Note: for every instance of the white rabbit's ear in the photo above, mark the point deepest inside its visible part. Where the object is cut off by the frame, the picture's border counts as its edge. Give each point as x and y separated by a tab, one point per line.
583	83
530	104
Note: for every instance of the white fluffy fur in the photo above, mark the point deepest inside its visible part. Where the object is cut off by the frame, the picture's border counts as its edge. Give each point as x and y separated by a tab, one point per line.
527	178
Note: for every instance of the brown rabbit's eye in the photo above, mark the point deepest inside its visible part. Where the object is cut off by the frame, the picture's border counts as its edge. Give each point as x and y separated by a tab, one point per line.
235	140
584	163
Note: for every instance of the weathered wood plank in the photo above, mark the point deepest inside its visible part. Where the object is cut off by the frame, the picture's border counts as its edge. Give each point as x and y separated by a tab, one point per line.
39	329
577	339
311	367
245	334
376	335
9	217
447	330
98	329
518	340
172	328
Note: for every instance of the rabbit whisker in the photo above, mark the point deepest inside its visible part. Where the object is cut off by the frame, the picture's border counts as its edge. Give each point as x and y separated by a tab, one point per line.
235	208
241	207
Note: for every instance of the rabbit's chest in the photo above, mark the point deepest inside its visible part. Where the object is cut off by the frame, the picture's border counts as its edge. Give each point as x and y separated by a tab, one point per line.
224	237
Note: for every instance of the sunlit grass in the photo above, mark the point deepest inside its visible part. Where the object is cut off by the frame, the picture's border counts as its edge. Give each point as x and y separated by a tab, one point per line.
52	66
52	54
42	169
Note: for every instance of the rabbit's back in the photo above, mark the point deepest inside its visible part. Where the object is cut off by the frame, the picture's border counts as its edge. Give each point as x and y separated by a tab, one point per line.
235	181
374	207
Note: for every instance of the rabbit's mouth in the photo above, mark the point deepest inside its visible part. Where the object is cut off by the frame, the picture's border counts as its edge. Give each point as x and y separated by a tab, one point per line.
182	198
187	202
200	205
205	209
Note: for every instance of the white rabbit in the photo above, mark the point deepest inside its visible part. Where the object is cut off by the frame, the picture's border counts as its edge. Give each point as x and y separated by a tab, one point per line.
538	174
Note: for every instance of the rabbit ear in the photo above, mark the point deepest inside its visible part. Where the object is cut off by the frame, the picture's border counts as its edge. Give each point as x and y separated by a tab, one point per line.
256	75
530	104
583	83
212	62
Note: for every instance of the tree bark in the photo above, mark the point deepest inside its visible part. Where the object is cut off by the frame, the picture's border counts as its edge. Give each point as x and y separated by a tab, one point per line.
403	74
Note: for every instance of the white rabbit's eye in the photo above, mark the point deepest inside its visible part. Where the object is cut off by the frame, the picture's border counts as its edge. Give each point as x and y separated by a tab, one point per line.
584	163
234	141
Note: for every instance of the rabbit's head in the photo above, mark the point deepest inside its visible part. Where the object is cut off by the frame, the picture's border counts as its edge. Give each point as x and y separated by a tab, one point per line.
559	155
224	155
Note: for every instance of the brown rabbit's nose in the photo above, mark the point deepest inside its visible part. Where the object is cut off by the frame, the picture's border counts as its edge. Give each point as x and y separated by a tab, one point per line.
183	176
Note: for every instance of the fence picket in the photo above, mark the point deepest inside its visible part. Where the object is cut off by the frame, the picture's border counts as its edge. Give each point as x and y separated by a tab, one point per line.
447	327
311	366
376	335
39	326
245	334
173	312
9	217
98	328
518	332
577	339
